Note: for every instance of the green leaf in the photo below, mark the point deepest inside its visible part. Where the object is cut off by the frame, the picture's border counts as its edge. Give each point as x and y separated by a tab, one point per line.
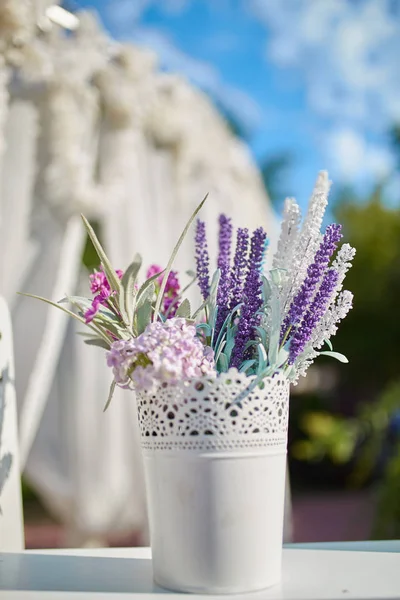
224	329
251	343
68	312
231	333
340	357
266	289
218	352
143	316
120	332
84	303
172	258
144	310
262	359
82	300
178	298
108	315
263	335
146	284
230	341
223	364
127	292
230	344
104	318
95	336
290	372
246	365
278	276
329	344
111	275
146	296
87	335
212	299
201	307
205	327
282	356
275	329
184	309
191	274
97	342
110	395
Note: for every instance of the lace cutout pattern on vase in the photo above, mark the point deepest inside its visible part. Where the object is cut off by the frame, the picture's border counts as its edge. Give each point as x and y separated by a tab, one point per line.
204	414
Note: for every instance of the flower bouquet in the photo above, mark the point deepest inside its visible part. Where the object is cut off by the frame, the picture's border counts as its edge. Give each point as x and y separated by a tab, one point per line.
212	385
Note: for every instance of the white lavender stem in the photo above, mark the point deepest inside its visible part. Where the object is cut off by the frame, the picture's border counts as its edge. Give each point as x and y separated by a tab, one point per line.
288	235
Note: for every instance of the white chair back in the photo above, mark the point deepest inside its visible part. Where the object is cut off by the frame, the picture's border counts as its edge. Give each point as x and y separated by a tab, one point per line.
11	519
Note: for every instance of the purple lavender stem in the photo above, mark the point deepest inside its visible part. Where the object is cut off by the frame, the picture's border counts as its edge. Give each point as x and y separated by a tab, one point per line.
252	298
202	259
238	271
313	315
314	273
224	260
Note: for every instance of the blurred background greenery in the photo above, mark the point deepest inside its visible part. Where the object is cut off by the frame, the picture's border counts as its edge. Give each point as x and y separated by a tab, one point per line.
353	431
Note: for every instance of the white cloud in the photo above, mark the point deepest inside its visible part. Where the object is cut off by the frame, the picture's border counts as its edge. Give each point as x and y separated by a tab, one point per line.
355	159
347	51
379	161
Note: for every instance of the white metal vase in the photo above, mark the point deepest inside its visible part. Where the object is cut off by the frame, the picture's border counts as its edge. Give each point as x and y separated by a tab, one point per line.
215	477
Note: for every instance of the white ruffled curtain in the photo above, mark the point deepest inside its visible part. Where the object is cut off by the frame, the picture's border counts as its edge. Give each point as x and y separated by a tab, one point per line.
92	127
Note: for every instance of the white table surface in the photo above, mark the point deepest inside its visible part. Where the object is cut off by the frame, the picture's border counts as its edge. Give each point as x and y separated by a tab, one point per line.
125	573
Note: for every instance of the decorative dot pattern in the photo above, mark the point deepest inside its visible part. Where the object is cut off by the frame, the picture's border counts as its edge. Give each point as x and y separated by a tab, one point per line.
204	414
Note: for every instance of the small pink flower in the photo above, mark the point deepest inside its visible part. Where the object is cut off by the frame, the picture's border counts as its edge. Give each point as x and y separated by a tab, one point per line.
171	292
100	286
153	270
92	311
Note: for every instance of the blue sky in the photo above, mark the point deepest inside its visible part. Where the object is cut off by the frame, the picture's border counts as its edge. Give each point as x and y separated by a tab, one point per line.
316	79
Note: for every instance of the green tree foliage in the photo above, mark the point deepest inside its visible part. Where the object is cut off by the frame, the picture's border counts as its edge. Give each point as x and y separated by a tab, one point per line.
370	334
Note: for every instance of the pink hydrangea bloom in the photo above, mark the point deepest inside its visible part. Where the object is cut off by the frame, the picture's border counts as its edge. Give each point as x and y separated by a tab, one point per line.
167	352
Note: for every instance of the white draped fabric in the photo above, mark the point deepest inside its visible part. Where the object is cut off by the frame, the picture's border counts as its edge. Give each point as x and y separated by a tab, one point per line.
90	126
11	523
